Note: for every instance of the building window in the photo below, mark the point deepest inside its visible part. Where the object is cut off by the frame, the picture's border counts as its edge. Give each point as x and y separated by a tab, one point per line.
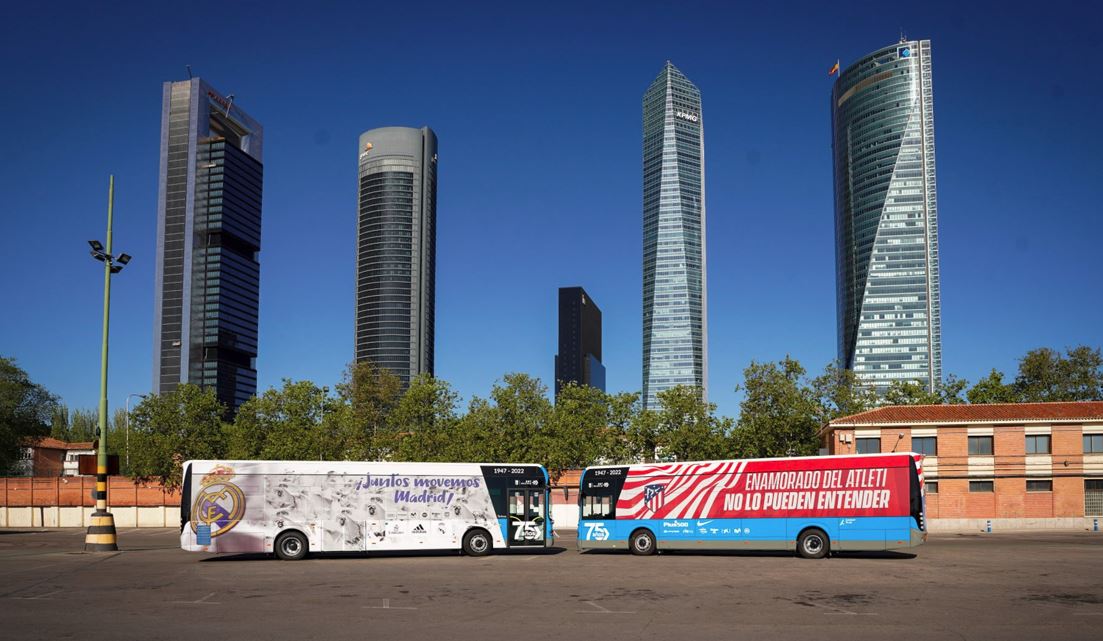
980	446
1093	443
932	487
982	486
1037	443
1039	486
1093	497
868	445
926	445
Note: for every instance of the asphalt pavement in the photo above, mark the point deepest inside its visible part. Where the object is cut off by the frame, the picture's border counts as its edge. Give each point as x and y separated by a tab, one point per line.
1039	585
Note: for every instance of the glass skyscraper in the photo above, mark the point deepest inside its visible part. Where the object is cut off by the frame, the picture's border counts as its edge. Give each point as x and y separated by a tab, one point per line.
207	288
396	250
675	331
886	217
579	358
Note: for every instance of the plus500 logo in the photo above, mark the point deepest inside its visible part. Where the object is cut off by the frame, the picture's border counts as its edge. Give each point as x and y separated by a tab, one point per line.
596	532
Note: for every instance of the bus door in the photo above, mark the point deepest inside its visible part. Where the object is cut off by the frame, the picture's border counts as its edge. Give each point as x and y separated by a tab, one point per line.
527	516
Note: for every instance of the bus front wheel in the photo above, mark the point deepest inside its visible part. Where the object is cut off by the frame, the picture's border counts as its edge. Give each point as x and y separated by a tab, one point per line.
813	544
291	546
477	543
642	543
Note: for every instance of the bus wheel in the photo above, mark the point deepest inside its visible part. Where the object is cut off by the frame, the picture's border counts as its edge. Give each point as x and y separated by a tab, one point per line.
642	543
813	544
291	546
477	543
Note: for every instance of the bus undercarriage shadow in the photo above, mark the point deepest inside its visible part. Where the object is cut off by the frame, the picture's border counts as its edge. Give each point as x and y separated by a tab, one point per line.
761	553
397	554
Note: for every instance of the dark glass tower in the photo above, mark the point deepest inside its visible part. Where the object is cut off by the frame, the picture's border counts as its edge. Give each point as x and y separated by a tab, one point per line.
207	288
579	357
886	217
675	312
396	250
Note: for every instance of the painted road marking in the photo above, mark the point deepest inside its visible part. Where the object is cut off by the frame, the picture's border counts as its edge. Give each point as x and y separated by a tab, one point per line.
602	610
202	601
45	597
387	606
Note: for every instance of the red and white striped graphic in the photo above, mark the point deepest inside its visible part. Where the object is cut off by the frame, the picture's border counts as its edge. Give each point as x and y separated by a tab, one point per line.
671	491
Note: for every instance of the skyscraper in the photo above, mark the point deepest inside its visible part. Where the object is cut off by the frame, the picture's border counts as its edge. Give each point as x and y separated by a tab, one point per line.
675	329
886	217
207	288
396	250
579	357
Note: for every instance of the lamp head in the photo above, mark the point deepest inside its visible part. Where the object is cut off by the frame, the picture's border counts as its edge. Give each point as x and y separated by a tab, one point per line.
96	246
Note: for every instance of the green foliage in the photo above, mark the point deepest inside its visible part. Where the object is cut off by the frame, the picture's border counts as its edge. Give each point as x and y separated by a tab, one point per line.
297	421
839	392
580	431
1045	375
424	424
992	389
521	417
688	428
168	429
916	393
26	411
780	414
370	394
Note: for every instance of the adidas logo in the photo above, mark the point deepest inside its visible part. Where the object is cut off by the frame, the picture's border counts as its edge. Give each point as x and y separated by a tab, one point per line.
419	529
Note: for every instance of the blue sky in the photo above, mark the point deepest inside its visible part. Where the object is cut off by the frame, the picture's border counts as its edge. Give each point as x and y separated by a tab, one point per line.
538	113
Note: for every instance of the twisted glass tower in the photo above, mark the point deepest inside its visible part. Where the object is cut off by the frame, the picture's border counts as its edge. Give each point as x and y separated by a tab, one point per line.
886	218
675	328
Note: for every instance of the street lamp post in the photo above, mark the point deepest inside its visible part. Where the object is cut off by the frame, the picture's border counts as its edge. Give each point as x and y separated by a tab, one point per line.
101	531
128	397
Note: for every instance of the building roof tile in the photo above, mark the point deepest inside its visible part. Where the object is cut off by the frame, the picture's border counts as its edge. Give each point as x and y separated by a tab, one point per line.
989	413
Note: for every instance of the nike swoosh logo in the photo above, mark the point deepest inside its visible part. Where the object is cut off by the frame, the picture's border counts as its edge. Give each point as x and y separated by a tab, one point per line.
700	523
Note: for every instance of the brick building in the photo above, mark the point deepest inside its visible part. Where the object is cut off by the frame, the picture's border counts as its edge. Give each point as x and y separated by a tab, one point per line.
51	457
1020	465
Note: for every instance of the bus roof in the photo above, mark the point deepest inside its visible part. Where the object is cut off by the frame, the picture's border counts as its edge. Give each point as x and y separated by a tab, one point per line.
775	458
344	465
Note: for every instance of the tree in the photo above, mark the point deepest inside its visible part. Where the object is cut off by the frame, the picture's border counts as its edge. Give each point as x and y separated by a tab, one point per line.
839	392
992	389
522	414
370	392
170	428
1044	375
424	422
780	415
26	410
579	432
688	428
296	421
902	392
629	439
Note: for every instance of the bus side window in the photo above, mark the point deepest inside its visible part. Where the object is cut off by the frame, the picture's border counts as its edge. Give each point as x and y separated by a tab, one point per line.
517	504
597	507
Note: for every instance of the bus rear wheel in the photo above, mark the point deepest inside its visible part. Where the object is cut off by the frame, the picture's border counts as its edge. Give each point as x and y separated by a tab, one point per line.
813	544
642	543
291	546
477	543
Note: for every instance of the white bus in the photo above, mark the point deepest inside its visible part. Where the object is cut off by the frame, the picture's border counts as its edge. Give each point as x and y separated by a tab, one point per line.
291	508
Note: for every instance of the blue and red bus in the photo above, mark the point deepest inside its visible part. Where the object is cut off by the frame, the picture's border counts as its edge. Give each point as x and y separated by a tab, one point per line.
814	505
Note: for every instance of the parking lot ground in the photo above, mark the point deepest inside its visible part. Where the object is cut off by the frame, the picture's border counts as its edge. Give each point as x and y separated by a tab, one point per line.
993	586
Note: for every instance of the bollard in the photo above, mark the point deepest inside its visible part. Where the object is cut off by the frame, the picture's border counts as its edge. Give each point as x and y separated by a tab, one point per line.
988	527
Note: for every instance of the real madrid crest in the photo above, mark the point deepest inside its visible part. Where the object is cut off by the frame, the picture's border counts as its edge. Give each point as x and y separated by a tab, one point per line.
219	504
